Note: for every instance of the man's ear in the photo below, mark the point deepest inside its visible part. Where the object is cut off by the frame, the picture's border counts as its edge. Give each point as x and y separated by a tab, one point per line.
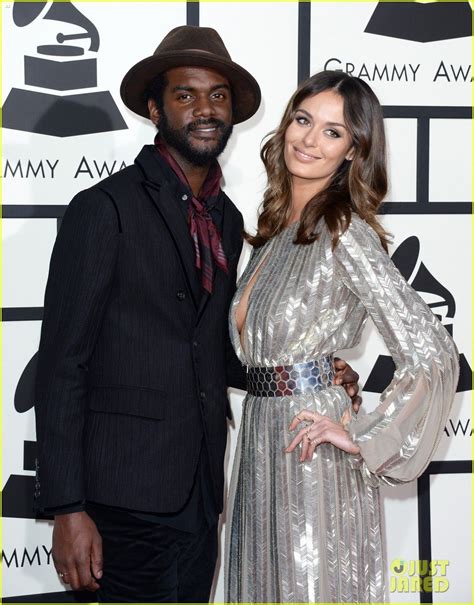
154	111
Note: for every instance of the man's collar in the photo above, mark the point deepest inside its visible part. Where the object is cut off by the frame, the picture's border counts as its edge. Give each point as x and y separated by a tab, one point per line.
151	165
158	172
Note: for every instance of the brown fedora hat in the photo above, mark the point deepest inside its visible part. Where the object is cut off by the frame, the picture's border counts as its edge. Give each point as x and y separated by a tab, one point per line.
189	45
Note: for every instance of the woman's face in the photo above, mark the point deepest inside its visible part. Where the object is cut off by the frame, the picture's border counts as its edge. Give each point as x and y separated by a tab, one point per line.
317	140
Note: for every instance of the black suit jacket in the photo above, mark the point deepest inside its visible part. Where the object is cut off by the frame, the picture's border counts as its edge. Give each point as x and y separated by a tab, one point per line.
134	359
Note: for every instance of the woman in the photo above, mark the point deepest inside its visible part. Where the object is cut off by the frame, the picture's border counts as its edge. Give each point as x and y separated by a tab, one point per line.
304	522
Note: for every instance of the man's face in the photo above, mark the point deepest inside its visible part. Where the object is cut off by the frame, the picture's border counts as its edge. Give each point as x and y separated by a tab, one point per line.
196	118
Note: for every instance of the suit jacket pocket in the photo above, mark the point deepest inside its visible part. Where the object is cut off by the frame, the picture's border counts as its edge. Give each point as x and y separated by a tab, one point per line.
128	400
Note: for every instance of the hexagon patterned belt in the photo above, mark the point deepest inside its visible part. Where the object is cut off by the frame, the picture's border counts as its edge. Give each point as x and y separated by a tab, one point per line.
283	381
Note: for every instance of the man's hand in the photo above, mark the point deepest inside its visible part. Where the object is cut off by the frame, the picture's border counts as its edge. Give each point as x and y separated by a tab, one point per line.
346	377
77	551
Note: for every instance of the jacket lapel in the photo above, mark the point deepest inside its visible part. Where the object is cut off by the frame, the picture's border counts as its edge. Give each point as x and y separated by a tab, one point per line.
227	228
173	217
179	231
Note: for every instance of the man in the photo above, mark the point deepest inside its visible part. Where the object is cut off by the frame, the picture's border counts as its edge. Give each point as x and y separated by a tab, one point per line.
135	358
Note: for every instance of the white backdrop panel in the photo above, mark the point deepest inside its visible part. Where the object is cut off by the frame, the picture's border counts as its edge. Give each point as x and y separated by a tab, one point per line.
450	160
22	571
451	530
401	156
337	33
27	549
25	267
19	345
128	32
401	541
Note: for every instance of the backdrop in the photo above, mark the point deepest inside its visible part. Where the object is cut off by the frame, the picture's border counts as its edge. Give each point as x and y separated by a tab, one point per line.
65	127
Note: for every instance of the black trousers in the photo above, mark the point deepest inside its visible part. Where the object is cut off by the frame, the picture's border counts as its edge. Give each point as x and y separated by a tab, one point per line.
146	562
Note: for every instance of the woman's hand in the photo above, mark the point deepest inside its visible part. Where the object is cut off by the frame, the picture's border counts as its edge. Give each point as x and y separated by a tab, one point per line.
321	430
346	377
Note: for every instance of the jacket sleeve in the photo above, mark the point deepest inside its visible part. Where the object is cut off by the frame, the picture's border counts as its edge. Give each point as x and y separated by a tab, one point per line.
235	372
398	439
79	284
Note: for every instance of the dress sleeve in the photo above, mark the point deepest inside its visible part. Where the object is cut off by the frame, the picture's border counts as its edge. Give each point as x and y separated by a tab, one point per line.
398	439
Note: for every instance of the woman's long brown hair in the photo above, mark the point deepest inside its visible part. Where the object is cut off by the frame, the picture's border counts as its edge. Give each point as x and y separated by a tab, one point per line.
359	185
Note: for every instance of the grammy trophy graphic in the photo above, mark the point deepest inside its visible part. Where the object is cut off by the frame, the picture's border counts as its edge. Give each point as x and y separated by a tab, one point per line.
51	104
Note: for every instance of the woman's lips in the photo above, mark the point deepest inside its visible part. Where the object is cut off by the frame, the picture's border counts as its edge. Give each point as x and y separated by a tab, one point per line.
305	157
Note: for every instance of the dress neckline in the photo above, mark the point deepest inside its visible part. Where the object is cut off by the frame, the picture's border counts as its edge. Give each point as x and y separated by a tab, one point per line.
293	224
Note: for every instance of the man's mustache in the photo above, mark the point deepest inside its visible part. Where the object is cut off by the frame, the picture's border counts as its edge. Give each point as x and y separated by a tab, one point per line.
211	123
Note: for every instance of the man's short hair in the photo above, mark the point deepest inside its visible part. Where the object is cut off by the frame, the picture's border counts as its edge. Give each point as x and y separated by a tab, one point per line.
155	90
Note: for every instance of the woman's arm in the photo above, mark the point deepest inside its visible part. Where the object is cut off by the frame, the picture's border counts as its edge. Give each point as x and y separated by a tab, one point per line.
395	442
398	439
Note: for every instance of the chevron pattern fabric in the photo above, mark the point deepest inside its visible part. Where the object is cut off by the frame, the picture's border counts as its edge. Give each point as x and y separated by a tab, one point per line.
311	532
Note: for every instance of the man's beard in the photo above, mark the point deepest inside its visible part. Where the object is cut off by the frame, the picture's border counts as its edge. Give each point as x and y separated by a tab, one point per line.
178	138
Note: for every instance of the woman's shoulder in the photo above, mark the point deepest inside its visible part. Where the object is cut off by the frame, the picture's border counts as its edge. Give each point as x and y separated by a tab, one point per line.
359	227
357	224
358	231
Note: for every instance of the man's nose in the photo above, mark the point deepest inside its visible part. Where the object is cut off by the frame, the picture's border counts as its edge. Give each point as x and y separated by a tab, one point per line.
203	107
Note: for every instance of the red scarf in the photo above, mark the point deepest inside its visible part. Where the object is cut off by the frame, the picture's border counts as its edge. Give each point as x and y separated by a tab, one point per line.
204	233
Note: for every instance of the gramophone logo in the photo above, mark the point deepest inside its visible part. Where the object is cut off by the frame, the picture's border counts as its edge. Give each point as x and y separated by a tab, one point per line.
19	490
63	70
421	21
441	302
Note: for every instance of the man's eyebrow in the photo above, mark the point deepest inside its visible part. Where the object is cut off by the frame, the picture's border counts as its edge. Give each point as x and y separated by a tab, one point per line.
327	123
218	86
183	88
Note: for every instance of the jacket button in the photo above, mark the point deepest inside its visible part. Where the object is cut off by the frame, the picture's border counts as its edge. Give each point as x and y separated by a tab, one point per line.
202	395
180	295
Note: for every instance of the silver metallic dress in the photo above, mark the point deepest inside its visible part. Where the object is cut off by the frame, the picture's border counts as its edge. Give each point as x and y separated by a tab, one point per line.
311	532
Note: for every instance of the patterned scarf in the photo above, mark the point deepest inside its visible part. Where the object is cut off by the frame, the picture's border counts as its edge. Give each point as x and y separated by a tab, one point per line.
204	233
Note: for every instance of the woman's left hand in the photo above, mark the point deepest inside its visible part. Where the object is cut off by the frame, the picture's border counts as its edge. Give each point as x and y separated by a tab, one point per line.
321	430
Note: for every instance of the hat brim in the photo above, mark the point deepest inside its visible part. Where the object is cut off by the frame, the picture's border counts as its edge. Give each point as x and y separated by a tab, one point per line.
245	89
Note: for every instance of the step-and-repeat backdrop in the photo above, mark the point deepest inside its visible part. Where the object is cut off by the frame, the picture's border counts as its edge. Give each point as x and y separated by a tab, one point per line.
65	128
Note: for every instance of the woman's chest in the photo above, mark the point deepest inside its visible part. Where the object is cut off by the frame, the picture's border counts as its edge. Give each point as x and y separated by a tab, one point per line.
284	278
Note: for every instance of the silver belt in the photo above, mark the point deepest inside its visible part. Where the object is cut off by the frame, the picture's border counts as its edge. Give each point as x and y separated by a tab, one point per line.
283	381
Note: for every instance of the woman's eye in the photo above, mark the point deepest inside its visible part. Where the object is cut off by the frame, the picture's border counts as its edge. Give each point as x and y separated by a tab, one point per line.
333	133
302	120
